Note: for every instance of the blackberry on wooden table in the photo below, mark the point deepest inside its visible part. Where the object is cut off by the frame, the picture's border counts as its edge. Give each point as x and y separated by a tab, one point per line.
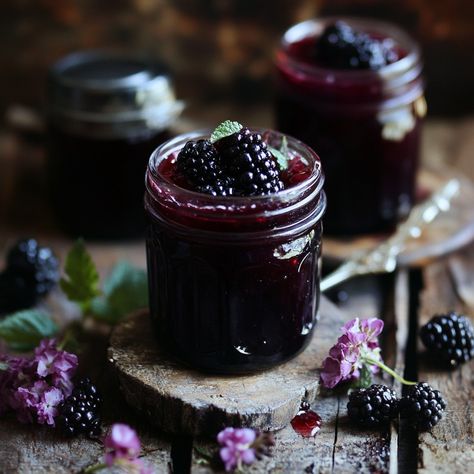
449	337
80	412
31	273
422	407
373	406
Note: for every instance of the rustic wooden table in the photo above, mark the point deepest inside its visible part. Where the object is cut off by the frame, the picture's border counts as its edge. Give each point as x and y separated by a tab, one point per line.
404	300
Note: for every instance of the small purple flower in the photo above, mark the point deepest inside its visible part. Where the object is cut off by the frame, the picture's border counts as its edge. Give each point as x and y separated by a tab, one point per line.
121	443
357	344
34	387
47	408
236	448
60	365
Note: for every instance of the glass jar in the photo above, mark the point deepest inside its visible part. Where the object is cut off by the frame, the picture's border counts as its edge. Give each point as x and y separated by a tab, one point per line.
107	113
365	125
234	281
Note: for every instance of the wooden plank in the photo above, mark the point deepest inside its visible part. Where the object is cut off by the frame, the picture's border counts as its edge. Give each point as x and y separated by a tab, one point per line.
450	445
338	447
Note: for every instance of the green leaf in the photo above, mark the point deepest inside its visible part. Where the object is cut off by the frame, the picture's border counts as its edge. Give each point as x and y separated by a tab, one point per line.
24	330
82	280
283	154
225	129
280	157
4	366
125	290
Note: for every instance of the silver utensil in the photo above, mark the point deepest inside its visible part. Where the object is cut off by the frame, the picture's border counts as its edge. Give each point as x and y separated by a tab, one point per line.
385	257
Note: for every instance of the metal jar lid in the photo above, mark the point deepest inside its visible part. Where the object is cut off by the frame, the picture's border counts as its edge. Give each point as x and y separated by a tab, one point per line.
110	95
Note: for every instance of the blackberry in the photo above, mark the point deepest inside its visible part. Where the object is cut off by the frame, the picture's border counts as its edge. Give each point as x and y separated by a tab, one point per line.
422	407
248	163
198	163
37	265
16	292
341	47
450	337
80	412
373	406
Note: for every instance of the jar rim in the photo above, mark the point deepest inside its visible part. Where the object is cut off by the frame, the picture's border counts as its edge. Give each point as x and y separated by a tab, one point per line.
165	149
312	27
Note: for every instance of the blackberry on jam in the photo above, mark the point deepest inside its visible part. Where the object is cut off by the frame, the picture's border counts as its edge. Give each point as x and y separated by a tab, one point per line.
32	271
373	406
80	412
198	163
341	47
248	163
422	407
450	337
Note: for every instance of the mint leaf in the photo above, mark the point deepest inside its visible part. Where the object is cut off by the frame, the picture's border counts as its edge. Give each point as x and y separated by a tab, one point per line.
225	129
283	154
24	330
125	290
280	157
82	280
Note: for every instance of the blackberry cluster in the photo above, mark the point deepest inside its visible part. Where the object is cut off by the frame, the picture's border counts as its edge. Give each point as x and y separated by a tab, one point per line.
31	272
198	162
341	47
237	165
450	337
373	406
423	407
248	162
80	412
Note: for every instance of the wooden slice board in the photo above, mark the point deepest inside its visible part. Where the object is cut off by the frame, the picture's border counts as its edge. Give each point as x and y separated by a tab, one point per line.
450	231
179	400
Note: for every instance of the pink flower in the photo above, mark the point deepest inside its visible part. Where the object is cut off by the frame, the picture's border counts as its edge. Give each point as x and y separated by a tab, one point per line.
236	448
357	344
34	387
60	365
121	443
47	408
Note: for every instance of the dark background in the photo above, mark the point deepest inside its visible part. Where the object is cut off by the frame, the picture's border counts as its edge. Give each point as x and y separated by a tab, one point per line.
221	49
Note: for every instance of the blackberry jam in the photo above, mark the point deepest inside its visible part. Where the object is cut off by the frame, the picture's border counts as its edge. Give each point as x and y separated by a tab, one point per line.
234	281
364	123
107	113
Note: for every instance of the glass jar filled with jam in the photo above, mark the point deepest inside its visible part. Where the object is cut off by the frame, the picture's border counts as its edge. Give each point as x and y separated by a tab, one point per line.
234	274
353	90
106	114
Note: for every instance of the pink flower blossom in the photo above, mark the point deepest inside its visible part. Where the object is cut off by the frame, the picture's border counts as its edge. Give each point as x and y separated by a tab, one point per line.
357	344
47	407
121	443
33	387
59	365
236	448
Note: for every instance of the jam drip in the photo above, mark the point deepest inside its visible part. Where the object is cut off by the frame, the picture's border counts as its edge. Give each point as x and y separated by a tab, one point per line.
307	422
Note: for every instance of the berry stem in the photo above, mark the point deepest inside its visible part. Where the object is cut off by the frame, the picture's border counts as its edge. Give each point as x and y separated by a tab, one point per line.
94	468
387	369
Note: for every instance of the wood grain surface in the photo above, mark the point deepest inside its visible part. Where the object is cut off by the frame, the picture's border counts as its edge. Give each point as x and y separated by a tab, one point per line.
448	284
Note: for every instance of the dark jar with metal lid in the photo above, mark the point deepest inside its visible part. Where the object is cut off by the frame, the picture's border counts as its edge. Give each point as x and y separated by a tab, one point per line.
106	114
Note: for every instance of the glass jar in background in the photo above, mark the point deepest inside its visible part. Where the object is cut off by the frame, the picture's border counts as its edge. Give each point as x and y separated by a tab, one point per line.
106	114
234	281
365	125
